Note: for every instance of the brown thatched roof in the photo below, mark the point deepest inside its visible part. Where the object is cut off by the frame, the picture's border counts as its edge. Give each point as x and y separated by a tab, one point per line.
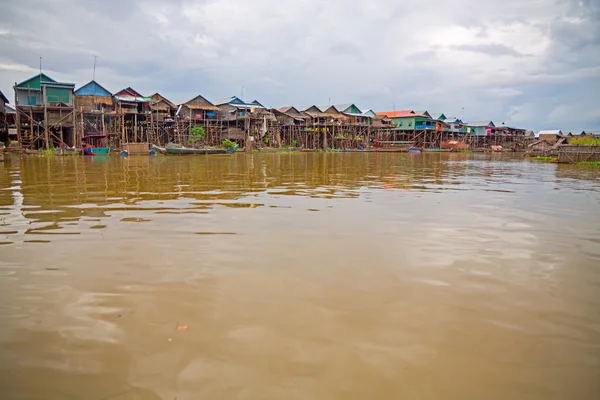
158	98
316	114
203	107
200	103
299	118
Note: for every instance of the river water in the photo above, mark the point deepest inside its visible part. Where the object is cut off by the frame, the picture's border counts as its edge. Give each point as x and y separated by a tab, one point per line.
299	276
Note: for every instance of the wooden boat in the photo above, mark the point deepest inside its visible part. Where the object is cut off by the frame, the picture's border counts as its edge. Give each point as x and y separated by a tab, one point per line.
415	149
206	151
159	150
95	145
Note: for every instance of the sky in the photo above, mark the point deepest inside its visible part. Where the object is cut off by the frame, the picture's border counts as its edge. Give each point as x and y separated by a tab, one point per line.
528	63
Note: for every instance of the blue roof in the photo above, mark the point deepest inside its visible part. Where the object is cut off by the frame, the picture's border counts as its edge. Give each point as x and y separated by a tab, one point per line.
92	88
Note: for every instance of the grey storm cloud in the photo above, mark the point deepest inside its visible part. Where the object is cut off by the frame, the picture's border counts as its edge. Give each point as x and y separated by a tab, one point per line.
534	64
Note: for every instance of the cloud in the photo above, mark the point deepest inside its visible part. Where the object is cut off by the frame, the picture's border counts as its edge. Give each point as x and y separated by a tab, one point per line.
511	60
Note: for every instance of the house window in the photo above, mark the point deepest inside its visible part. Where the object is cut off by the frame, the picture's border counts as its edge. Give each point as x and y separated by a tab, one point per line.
410	124
400	123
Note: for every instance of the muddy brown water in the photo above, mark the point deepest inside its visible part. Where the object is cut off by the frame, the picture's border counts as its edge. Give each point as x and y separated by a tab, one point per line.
299	276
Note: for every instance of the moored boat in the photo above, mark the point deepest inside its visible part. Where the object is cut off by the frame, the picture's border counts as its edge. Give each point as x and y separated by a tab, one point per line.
159	150
205	151
415	149
95	145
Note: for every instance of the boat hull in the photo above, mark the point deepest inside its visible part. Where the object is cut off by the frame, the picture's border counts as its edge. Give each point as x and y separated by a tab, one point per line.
187	151
415	150
159	150
97	151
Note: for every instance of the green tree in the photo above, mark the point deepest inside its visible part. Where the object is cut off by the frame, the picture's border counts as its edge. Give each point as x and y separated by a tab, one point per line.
197	134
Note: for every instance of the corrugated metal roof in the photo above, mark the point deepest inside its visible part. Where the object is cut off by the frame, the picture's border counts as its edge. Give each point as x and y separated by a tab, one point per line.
480	123
133	99
438	115
397	114
356	115
92	88
550	132
226	100
3	97
304	108
369	113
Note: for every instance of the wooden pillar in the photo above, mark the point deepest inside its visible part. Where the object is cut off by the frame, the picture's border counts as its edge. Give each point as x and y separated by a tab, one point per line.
18	118
122	125
31	123
75	130
46	138
103	123
135	127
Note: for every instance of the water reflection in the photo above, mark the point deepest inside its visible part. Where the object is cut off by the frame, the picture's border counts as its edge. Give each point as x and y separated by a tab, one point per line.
299	276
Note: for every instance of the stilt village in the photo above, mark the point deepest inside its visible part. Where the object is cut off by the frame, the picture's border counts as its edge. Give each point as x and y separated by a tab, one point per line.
48	114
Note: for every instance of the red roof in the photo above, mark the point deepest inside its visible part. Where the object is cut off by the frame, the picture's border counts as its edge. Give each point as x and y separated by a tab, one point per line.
397	114
128	92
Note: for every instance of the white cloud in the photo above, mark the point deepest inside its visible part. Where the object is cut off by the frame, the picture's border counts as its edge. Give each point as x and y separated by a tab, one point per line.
505	59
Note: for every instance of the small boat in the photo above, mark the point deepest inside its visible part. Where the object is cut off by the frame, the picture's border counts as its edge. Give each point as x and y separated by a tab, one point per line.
188	151
95	145
415	149
159	150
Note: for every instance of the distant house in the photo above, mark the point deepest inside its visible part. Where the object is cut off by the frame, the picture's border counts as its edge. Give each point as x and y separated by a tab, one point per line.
409	120
437	116
454	125
541	146
550	135
369	113
3	118
41	90
92	97
162	106
348	112
315	114
257	103
481	128
132	101
44	112
235	105
288	116
197	108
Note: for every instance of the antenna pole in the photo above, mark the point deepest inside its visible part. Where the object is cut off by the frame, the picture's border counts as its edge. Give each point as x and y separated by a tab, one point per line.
40	66
94	74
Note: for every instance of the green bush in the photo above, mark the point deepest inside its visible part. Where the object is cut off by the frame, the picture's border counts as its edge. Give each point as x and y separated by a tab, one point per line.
197	134
227	144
